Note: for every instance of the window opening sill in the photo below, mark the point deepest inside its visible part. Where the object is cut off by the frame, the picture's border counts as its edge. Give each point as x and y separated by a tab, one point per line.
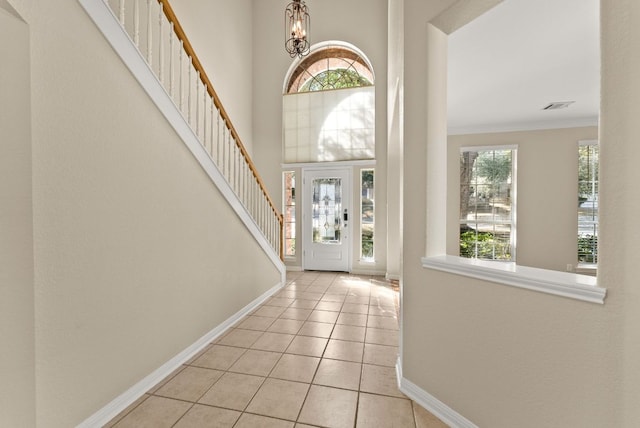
565	284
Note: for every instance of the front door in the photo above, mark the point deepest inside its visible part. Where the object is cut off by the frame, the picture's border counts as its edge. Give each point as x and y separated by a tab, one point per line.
326	237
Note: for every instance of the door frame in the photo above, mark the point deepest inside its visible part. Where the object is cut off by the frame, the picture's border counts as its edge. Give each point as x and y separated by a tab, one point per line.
305	211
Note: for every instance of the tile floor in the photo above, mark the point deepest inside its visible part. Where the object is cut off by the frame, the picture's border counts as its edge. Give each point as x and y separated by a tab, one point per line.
320	353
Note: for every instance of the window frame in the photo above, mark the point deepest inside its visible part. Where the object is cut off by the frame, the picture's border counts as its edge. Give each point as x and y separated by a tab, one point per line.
292	224
513	223
371	259
587	266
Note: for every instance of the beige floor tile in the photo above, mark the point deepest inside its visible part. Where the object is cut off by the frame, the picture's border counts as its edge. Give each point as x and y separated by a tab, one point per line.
279	301
339	298
269	311
352	319
387	323
256	362
424	418
316	329
155	412
338	290
279	399
304	426
329	306
304	304
354	308
357	300
379	411
343	350
286	326
384	311
310	346
323	316
329	407
339	374
379	380
348	332
256	323
360	290
166	379
286	294
276	342
248	420
233	391
296	314
297	368
190	384
318	288
380	355
126	411
308	295
240	338
208	417
382	337
219	357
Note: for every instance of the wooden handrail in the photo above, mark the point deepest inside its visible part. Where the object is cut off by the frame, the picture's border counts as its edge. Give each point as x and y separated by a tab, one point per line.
171	16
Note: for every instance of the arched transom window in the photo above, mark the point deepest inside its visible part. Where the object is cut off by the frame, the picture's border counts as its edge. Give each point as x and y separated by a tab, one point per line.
329	106
330	67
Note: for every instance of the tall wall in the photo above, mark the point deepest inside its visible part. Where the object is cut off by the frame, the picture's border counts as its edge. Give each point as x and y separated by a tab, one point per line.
547	192
17	358
619	235
330	20
502	356
221	33
136	255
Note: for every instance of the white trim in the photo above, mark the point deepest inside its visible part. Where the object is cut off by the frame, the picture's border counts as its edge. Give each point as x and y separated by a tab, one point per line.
524	126
124	400
392	277
439	409
108	24
488	148
588	143
336	164
565	284
367	272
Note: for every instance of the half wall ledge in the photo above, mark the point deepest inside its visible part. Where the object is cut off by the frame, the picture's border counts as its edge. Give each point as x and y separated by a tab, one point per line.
565	284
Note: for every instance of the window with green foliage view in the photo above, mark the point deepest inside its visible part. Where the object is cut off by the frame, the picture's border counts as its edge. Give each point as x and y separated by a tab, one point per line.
487	227
367	192
588	155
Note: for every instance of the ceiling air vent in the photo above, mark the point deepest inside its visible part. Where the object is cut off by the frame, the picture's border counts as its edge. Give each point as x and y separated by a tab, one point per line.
558	105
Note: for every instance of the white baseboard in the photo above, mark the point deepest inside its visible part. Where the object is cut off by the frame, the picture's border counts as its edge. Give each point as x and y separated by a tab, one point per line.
367	272
124	400
445	413
294	268
392	277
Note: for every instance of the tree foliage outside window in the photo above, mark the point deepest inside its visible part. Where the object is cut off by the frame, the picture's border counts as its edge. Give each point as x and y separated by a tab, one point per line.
588	162
334	79
486	204
289	213
367	214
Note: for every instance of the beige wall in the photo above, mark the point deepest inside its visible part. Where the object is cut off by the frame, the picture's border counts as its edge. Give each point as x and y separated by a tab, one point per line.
619	204
505	357
547	192
17	334
136	255
331	20
221	34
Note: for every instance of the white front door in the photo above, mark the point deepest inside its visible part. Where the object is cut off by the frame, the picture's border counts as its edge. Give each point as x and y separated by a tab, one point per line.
326	207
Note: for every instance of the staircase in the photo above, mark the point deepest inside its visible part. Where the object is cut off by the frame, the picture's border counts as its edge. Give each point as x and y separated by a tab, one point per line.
151	42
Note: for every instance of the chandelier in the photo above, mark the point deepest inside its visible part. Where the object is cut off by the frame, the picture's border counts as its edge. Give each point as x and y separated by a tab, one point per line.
296	28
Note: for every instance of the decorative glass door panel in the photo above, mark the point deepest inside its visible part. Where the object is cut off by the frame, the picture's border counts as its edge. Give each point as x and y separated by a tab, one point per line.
325	225
327	209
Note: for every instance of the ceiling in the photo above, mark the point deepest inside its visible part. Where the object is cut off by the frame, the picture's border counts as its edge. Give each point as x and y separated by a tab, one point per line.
511	62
